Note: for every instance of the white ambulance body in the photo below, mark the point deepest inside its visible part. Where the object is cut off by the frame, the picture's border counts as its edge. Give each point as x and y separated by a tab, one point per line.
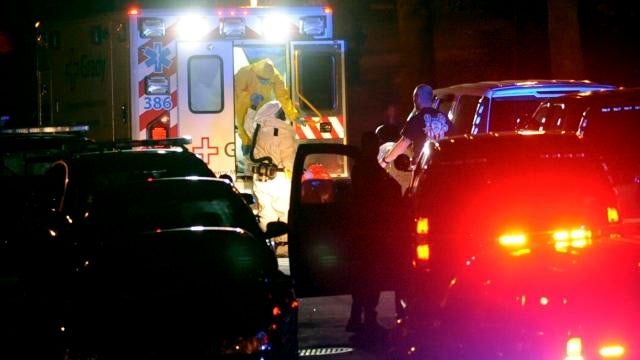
156	73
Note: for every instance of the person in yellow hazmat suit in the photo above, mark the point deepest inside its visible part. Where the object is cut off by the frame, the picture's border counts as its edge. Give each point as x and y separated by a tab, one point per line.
260	82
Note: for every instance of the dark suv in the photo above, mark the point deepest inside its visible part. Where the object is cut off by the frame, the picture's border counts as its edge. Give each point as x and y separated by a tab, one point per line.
476	108
517	247
609	121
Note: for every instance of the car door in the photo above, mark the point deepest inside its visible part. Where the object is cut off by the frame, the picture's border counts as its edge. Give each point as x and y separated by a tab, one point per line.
318	218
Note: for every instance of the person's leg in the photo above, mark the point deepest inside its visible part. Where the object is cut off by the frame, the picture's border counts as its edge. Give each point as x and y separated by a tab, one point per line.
355	318
370	303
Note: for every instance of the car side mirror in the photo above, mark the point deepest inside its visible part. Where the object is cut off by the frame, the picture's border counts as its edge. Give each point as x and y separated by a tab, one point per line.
402	162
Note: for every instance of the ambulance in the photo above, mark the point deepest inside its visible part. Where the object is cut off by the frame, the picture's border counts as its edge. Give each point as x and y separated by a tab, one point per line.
144	74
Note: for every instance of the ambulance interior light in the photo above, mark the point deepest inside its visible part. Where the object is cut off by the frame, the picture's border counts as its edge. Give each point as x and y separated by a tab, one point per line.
232	27
313	25
151	27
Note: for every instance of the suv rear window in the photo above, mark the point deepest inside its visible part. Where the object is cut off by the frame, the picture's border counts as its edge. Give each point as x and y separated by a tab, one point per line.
508	113
614	130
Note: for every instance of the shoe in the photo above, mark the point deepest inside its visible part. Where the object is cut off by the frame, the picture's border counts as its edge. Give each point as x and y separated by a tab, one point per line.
354	326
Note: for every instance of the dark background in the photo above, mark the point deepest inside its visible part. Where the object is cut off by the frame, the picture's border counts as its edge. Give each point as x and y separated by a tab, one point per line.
395	44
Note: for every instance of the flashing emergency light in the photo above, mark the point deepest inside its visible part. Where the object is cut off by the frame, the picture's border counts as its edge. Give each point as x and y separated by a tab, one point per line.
276	27
192	27
156	85
313	25
151	27
232	27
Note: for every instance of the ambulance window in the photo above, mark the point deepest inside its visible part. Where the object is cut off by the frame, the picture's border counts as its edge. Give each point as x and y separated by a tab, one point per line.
318	80
205	84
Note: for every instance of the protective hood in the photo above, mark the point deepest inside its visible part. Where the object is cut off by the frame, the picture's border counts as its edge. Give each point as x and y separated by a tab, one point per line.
267	112
264	68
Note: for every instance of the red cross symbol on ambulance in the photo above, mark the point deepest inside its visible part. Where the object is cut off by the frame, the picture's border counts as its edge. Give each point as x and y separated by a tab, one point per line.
204	151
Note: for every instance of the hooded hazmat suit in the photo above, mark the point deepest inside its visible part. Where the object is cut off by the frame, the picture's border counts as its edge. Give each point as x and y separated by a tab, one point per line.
261	78
276	139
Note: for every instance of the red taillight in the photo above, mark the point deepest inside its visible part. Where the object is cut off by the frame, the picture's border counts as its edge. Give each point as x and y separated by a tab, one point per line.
612	215
513	240
564	240
611	351
295	304
133	11
422	226
574	349
422	249
276	311
422	252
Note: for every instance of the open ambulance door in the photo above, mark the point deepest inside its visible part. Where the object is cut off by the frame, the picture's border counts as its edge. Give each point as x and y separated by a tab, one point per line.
318	89
205	102
319	218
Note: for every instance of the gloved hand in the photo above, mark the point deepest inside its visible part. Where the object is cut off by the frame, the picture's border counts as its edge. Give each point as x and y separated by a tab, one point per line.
256	99
301	121
246	150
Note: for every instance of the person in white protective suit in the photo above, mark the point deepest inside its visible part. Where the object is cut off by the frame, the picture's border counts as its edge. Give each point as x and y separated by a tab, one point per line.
273	152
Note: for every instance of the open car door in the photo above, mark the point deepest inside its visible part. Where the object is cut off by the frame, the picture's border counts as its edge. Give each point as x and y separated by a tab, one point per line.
319	218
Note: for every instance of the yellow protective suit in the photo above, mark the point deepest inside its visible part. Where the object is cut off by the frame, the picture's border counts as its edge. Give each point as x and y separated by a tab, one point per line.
247	81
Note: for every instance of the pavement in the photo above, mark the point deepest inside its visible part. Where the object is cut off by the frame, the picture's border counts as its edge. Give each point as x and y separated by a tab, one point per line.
322	323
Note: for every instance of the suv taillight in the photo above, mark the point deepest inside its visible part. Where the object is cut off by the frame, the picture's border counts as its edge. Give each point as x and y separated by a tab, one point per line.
423	252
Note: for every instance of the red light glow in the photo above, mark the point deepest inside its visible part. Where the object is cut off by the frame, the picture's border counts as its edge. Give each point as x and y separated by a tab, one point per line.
612	351
513	240
422	226
133	11
328	10
295	304
423	252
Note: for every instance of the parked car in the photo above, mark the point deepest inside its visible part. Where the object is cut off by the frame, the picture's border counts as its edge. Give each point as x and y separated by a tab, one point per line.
487	106
171	203
197	293
25	154
517	252
70	183
609	122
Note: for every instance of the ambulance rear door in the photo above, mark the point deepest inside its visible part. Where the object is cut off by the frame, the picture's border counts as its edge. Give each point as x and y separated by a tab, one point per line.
318	89
205	101
318	219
